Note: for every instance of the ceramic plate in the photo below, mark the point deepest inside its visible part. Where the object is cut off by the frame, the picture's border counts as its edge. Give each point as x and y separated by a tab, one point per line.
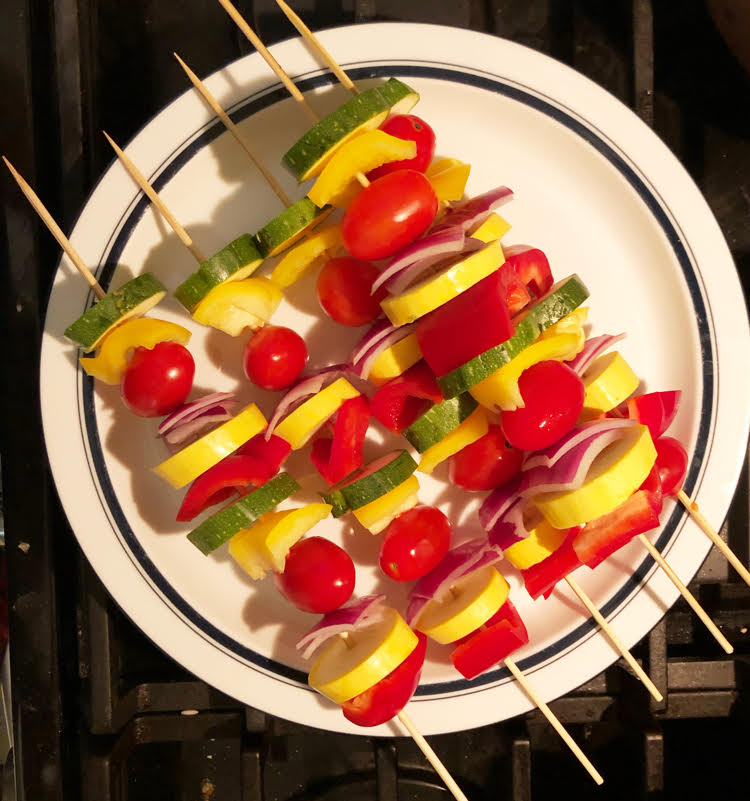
594	188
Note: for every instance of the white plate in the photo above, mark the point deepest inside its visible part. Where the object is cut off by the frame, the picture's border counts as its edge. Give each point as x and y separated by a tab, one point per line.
595	188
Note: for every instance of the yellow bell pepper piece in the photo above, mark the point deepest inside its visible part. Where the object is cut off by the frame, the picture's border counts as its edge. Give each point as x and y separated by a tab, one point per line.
110	362
494	227
499	391
613	477
376	515
542	541
236	305
608	382
395	360
474	600
348	667
298	426
570	324
299	261
211	448
265	545
449	184
436	290
473	428
359	155
440	165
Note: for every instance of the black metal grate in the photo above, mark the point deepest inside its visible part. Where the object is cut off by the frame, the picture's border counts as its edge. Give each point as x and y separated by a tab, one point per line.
102	714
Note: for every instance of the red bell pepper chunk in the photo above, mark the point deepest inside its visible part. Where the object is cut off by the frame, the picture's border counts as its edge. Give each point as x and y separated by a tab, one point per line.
654	409
403	399
541	578
227	478
335	458
471	323
273	452
390	695
531	266
671	463
500	636
600	538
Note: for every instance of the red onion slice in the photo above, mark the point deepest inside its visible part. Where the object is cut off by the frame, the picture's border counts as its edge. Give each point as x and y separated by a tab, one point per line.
549	456
379	329
189	411
355	615
301	391
433	247
185	433
570	471
457	563
474	212
410	274
594	347
498	502
396	334
510	528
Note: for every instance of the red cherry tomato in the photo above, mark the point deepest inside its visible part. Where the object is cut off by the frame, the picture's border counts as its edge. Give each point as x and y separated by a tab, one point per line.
414	543
274	356
344	291
671	462
157	380
318	575
389	214
413	129
487	463
553	398
390	695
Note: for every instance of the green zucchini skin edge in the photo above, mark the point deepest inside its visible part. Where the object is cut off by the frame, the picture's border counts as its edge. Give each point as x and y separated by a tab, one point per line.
239	255
371	487
563	298
113	307
222	526
285	225
439	421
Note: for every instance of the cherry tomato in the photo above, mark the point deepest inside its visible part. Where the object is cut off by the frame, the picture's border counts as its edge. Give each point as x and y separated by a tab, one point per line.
344	287
389	214
671	462
389	696
487	463
318	575
413	129
157	380
553	397
414	543
274	356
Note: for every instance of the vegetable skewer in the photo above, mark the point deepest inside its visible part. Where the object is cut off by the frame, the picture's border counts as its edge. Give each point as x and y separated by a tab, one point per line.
56	231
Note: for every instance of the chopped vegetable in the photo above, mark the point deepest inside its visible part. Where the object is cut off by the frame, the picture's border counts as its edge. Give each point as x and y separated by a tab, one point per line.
339	456
236	305
402	400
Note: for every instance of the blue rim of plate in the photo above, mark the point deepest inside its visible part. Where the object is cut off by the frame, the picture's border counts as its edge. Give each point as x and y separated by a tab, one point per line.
265	98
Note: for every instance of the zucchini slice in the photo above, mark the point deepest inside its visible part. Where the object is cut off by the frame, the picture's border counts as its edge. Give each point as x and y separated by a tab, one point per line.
439	421
286	228
215	531
378	514
309	154
371	482
238	260
563	298
133	299
400	98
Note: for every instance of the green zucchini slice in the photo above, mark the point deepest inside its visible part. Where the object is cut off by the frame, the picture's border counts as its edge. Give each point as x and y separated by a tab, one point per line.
563	298
238	260
222	526
133	299
436	423
401	98
286	228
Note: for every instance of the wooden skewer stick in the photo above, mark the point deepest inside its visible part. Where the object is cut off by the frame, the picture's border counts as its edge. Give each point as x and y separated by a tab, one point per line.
584	598
687	595
431	756
713	535
240	22
234	130
310	37
55	230
553	720
143	183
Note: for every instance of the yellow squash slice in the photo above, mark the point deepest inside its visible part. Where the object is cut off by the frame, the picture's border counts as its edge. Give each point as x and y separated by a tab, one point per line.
608	382
236	305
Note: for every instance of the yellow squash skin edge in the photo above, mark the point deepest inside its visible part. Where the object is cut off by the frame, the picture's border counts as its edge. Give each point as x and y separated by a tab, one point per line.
345	669
608	382
613	477
395	360
211	448
543	541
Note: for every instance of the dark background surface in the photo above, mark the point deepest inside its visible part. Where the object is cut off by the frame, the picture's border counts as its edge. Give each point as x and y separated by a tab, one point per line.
69	68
